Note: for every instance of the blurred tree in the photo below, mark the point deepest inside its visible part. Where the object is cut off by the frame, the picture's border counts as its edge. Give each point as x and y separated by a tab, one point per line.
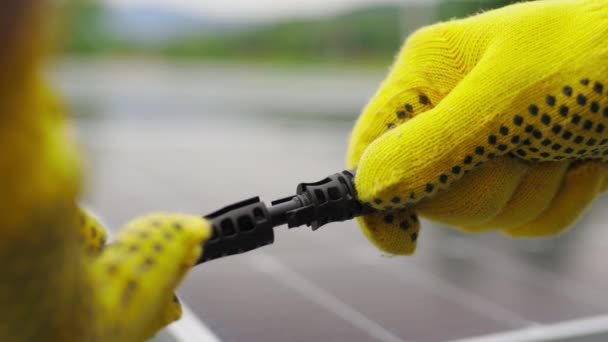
368	34
371	34
449	9
84	32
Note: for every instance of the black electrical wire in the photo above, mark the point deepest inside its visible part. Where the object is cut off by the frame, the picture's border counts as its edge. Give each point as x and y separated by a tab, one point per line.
249	224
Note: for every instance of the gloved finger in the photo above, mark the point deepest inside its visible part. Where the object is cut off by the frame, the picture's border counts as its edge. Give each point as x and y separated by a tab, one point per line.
392	232
435	148
479	196
137	273
534	194
171	312
385	112
582	183
411	88
92	234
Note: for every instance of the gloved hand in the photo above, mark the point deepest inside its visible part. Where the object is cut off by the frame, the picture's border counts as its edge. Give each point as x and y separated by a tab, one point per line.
132	279
497	121
58	281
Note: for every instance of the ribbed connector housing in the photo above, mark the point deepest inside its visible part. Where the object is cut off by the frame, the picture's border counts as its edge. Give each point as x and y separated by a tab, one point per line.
249	224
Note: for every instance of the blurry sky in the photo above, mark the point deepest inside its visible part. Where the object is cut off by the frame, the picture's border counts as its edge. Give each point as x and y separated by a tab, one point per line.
249	9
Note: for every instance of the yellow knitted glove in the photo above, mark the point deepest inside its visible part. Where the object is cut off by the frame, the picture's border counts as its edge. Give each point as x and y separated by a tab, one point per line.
497	121
134	277
58	282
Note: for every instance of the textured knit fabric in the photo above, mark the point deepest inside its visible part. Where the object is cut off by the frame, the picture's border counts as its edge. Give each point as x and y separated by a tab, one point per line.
59	282
497	121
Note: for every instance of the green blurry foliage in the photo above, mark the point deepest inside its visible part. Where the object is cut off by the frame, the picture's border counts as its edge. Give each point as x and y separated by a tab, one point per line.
449	9
84	33
367	35
360	35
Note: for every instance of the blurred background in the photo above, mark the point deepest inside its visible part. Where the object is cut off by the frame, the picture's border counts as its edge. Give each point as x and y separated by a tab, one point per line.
189	105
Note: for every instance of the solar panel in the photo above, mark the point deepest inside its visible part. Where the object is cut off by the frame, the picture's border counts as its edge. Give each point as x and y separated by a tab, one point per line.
331	285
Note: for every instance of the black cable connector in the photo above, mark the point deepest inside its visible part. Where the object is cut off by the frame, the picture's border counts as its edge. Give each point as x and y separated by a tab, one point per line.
249	224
